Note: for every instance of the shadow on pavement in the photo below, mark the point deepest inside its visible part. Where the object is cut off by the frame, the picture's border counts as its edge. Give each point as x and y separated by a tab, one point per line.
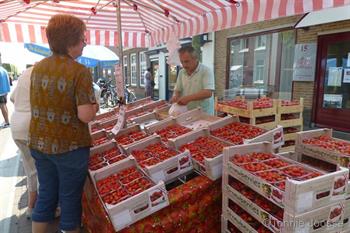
7	166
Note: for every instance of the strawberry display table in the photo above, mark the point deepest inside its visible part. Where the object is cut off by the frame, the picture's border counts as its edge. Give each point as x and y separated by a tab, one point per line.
194	207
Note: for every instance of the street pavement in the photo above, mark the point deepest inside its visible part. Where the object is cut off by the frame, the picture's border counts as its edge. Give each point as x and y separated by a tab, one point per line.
13	195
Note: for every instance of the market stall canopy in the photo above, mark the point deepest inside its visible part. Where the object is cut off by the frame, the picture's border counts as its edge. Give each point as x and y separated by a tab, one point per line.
325	16
92	56
146	23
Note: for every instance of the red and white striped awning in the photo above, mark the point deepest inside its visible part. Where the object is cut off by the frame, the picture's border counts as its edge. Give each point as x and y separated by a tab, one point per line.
146	23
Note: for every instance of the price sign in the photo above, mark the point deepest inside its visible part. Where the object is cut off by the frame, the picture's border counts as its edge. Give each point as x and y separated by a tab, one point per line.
121	120
119	80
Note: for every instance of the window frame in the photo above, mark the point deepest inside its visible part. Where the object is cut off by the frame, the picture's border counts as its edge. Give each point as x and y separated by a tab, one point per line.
142	63
125	71
133	74
255	34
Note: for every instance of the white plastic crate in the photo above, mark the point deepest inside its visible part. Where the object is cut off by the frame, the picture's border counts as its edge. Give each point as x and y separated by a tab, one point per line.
168	169
152	129
107	163
196	119
135	207
212	167
325	219
145	120
327	155
139	103
299	196
98	135
346	226
128	131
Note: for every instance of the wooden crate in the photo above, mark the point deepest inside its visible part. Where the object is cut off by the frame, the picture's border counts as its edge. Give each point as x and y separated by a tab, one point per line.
250	112
286	149
290	122
290	109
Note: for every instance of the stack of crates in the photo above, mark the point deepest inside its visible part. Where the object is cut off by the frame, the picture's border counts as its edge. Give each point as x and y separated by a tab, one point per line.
253	112
266	192
290	117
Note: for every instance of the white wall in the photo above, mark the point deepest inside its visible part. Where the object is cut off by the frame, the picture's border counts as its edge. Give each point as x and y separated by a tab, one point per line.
208	52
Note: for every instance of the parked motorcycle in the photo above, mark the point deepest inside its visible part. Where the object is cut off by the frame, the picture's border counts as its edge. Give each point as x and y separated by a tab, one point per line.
109	97
129	94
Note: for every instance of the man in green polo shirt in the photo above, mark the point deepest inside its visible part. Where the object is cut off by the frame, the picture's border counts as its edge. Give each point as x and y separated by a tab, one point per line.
195	82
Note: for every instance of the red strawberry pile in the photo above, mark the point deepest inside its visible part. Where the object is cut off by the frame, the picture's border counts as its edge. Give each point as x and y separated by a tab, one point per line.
289	116
153	154
288	130
289	143
236	132
122	185
204	147
172	131
231	228
259	103
264	102
100	140
129	138
264	119
245	216
289	102
94	128
256	198
272	169
236	103
329	143
102	159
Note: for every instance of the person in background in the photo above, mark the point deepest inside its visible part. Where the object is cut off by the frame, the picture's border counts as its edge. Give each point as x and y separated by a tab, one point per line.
195	82
4	90
62	103
19	128
149	83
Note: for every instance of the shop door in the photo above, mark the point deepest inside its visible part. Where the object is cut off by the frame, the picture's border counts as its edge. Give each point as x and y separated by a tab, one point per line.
171	74
333	82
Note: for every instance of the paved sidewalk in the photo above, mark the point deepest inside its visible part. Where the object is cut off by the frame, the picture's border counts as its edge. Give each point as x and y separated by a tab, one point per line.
13	195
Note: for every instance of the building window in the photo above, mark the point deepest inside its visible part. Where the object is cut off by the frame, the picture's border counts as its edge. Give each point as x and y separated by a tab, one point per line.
133	69
262	62
143	68
125	69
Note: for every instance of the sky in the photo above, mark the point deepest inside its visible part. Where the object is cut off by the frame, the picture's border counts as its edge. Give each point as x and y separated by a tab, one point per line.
16	54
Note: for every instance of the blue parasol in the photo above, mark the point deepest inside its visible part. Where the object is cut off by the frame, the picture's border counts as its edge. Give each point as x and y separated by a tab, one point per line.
91	57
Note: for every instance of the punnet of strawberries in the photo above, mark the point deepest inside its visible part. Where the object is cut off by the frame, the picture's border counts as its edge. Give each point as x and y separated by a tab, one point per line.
172	131
204	147
122	185
329	143
105	158
236	132
131	137
272	169
153	154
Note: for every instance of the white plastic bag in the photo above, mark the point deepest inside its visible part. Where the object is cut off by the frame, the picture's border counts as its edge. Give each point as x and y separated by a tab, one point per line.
176	109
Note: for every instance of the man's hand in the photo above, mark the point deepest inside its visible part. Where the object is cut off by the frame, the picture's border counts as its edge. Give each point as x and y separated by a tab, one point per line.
174	99
183	100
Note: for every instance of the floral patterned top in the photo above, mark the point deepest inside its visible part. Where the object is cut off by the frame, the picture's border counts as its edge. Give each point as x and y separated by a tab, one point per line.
58	85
